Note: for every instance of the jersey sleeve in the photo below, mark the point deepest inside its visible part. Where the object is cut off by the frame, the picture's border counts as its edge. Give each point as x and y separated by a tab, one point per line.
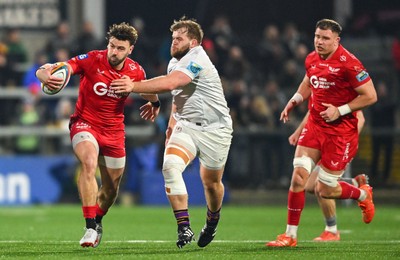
190	66
357	75
78	63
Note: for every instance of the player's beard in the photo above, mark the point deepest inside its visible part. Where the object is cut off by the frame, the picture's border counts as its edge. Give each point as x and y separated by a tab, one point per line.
179	53
114	61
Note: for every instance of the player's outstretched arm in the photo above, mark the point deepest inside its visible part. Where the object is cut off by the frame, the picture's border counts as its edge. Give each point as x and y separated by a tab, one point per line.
159	84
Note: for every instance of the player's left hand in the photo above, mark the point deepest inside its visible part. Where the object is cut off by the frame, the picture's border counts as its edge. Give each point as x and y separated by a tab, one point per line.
122	85
149	112
330	114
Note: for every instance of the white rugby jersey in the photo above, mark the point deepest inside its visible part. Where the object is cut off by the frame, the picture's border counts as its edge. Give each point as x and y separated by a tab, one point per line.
202	102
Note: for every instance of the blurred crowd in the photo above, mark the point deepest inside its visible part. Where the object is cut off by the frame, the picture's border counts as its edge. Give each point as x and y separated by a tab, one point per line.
259	74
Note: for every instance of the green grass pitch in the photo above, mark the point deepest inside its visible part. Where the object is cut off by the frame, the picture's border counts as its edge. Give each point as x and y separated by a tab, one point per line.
139	232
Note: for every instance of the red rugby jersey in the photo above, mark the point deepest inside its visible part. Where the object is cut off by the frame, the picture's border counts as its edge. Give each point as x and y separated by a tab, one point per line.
333	82
97	104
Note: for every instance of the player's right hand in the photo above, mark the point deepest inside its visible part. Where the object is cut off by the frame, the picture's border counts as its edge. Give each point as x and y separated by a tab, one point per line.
285	113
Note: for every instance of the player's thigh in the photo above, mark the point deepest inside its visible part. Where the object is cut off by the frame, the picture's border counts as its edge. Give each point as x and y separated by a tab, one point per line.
214	147
110	178
181	143
210	176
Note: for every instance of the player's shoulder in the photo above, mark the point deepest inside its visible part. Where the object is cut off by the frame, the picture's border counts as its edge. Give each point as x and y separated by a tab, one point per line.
346	57
89	56
133	67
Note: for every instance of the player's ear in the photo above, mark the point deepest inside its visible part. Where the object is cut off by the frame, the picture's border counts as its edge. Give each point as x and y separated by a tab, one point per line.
338	40
131	49
193	43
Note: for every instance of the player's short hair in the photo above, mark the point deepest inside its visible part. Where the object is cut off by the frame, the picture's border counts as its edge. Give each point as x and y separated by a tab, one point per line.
328	24
194	30
123	32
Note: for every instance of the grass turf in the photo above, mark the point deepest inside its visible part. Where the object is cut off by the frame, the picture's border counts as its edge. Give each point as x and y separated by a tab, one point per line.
138	232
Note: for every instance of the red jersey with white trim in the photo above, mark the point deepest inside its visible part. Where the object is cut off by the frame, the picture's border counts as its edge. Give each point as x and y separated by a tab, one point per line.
97	104
333	81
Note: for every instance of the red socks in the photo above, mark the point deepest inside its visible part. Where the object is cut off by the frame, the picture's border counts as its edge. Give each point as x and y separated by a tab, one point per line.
296	202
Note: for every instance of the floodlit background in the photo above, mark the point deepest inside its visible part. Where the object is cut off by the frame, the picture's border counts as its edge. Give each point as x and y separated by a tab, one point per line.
259	49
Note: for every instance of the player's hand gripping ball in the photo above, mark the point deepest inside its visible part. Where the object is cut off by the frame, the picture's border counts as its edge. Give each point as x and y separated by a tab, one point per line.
59	70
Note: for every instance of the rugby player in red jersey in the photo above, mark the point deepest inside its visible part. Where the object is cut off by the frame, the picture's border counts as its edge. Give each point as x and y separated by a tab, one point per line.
328	206
97	127
339	85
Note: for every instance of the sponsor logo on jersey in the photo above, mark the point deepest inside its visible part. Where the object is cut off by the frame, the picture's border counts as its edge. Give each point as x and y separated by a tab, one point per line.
342	58
362	75
194	68
132	66
334	164
82	56
357	68
333	70
101	89
320	82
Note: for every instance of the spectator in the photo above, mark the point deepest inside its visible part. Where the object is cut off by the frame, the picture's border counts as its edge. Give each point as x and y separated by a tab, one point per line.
382	123
290	76
271	51
30	143
221	33
292	38
61	40
86	40
236	66
29	80
396	54
260	114
238	102
63	111
4	68
276	98
17	56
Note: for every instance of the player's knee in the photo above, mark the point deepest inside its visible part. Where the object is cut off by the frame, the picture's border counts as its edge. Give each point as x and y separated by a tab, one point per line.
173	168
304	162
310	188
299	180
328	179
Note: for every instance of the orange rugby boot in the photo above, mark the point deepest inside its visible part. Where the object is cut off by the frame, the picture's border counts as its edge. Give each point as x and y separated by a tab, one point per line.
282	241
367	206
327	236
360	180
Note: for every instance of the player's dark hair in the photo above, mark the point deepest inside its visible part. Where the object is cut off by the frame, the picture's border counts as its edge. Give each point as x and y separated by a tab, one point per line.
123	32
328	24
194	30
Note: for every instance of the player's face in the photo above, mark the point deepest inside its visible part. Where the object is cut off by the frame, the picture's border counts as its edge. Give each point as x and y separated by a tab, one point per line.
325	42
117	52
181	43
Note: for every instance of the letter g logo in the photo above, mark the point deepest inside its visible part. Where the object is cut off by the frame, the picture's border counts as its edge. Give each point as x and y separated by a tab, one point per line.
100	88
314	81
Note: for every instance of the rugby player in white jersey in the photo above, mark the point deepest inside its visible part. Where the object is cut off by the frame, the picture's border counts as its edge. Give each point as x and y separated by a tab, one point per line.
199	125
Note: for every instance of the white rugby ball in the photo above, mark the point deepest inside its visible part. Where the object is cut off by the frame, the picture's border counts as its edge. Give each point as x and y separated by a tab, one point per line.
59	70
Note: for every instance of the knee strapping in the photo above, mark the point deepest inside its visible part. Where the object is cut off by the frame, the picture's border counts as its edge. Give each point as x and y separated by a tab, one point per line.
304	162
327	178
173	168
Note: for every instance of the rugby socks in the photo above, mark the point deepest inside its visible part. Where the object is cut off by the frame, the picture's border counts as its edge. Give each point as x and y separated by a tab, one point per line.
330	224
350	192
100	213
213	217
89	213
182	217
296	202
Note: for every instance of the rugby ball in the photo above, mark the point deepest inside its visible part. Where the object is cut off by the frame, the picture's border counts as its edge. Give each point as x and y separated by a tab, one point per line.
59	70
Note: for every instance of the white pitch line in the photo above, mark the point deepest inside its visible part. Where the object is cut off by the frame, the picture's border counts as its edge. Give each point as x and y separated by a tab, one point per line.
173	241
